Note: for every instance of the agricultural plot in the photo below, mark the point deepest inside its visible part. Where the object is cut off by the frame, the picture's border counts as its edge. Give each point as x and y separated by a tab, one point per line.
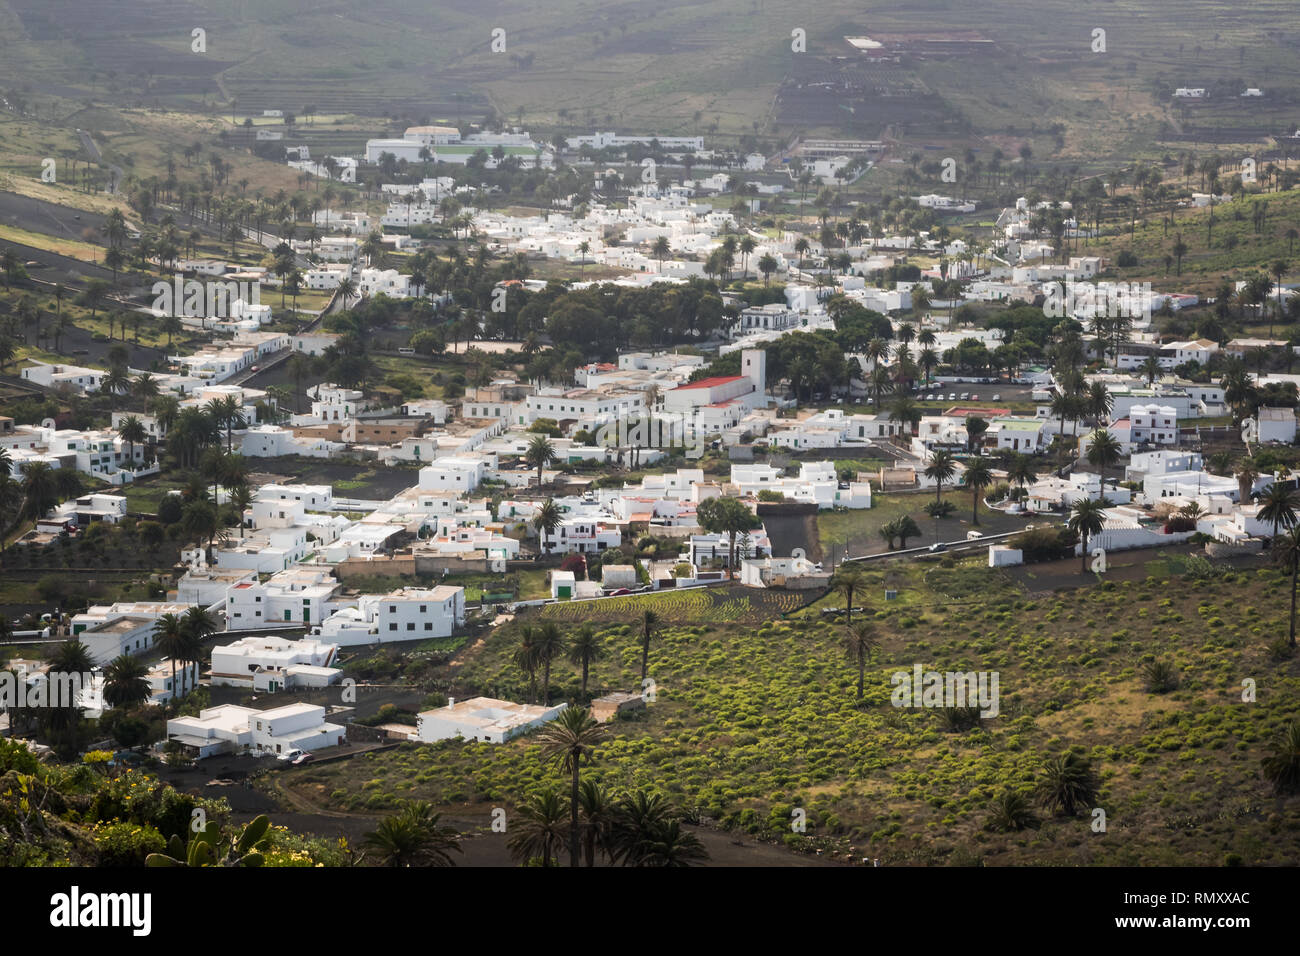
751	722
696	606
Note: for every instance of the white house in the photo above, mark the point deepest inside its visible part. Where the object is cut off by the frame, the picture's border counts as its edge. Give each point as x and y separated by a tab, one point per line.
481	718
230	728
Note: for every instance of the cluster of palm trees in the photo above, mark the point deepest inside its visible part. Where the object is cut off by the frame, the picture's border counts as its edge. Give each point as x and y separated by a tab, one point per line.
542	645
181	638
31	497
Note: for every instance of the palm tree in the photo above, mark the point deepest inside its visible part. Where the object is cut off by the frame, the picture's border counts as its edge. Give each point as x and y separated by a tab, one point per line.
1020	471
859	642
848	580
669	845
941	467
1247	473
1150	367
40	489
1103	451
1087	518
525	658
542	830
1286	552
169	637
569	740
649	628
146	388
585	649
414	837
549	645
599	815
978	476
1282	769
126	682
547	520
132	431
1278	504
540	453
1069	784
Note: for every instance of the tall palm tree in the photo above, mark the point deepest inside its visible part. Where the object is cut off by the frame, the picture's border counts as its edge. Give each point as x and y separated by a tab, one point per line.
1020	471
1247	473
649	628
1103	451
584	649
940	468
1278	504
126	682
978	476
525	658
540	453
860	640
541	830
599	814
547	520
569	740
1286	552
131	430
169	638
549	645
849	579
1087	518
640	817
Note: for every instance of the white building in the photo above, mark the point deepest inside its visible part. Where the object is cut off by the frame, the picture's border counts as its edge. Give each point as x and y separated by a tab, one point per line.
482	718
273	663
230	728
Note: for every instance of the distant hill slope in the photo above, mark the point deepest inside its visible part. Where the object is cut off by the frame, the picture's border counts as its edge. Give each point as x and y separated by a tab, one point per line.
721	65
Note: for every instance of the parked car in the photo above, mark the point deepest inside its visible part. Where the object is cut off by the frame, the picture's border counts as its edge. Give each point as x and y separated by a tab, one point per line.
997	398
952	396
291	756
965	396
974	397
302	758
255	368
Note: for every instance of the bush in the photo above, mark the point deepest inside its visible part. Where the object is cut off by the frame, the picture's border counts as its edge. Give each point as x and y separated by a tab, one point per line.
127	844
1045	544
1126	259
1160	677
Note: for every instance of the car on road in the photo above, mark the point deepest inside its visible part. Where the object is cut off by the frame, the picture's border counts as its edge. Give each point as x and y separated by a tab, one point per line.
294	756
965	396
938	546
997	398
255	368
952	396
974	397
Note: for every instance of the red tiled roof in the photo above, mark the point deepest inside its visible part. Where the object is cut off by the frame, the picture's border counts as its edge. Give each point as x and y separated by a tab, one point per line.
711	382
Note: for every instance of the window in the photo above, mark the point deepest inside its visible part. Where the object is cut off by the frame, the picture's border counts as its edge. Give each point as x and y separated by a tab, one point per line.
392	626
410	626
428	625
